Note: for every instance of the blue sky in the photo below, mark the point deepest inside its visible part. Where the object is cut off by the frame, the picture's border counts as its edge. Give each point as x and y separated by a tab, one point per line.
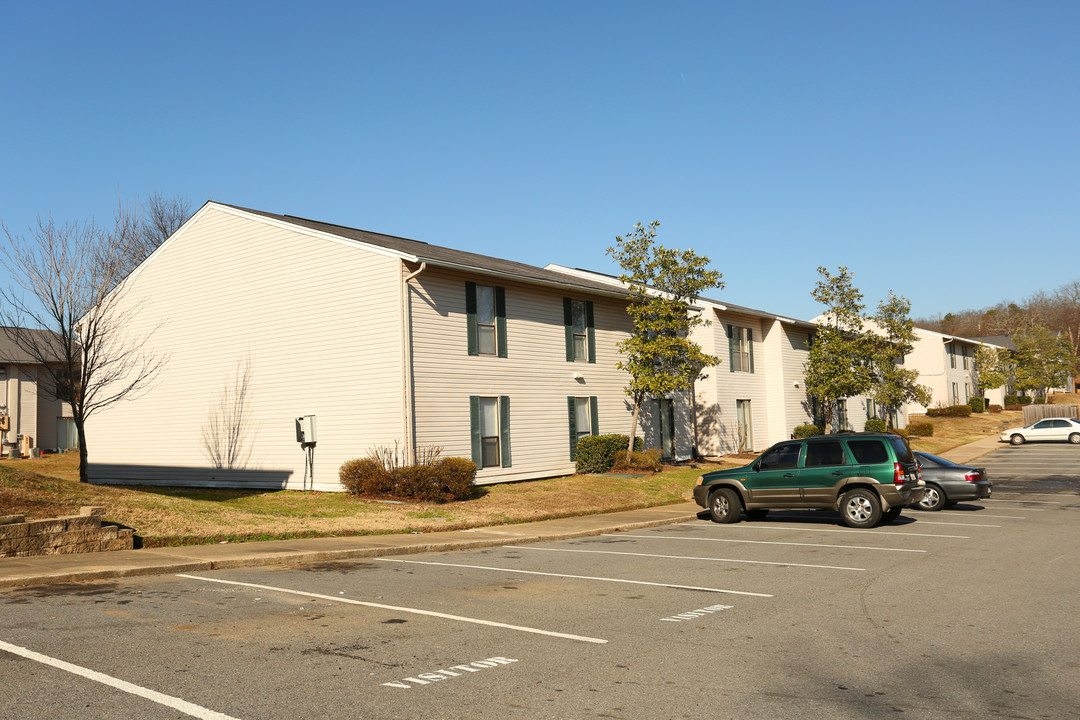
932	147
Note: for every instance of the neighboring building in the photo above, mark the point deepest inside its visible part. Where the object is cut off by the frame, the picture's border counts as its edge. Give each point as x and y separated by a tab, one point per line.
946	365
386	341
30	414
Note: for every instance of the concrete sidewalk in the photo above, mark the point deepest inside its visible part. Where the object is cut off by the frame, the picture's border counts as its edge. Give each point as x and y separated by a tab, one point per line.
51	569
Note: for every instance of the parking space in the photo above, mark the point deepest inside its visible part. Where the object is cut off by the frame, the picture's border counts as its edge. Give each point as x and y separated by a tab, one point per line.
1034	467
930	616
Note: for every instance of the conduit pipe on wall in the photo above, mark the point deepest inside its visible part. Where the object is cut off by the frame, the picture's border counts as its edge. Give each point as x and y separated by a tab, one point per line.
406	364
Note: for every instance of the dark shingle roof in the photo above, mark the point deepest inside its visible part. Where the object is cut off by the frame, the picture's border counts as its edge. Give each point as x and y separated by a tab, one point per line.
437	255
11	352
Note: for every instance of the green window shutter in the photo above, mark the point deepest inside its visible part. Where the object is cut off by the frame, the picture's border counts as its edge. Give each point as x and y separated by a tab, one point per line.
594	414
474	430
731	348
571	408
591	331
504	428
568	326
869	408
750	344
500	320
470	317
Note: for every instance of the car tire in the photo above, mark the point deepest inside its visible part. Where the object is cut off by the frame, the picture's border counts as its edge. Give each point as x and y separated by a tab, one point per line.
758	514
725	506
860	508
1075	438
890	515
1017	440
934	499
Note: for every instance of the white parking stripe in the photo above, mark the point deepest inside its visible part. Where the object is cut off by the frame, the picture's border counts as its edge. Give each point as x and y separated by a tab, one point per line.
576	577
183	706
688	557
933	522
414	611
797	528
980	516
766	542
1039	502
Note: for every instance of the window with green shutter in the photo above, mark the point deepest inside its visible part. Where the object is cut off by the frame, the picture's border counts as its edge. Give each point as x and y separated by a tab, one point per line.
485	311
584	419
740	349
490	430
579	326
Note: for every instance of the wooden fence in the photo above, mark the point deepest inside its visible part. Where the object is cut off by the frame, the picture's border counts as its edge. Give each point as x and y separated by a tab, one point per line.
1035	413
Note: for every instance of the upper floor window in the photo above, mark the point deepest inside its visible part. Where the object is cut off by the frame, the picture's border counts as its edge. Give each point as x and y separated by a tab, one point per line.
485	309
580	333
964	355
740	348
952	356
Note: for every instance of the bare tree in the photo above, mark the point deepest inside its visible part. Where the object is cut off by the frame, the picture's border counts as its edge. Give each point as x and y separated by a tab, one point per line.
227	430
68	283
152	223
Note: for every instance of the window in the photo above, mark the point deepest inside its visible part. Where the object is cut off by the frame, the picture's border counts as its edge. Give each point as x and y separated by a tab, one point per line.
740	348
952	356
868	452
580	333
824	453
744	417
780	457
583	412
871	409
490	430
955	395
964	356
485	310
967	391
841	415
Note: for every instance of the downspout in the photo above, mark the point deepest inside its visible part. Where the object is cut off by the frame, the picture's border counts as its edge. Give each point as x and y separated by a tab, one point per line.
409	421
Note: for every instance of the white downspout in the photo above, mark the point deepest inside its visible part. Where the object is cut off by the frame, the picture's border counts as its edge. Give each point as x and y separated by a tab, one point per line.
406	366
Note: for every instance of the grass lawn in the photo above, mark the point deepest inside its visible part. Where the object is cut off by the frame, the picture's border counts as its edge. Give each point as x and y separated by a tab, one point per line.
183	516
49	487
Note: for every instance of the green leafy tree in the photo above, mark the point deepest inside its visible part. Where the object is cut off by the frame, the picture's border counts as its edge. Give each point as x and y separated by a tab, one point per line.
993	367
840	362
1043	359
893	384
660	356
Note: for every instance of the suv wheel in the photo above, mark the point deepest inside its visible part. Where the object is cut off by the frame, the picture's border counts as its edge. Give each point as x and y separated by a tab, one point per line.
724	506
860	508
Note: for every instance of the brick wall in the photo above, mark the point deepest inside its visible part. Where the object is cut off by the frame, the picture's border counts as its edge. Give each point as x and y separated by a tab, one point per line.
80	533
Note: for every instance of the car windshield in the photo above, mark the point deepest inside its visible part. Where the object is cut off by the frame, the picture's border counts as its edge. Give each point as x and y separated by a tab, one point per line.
934	459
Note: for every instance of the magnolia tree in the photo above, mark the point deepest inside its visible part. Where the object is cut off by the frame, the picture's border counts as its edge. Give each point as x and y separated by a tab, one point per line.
893	385
1043	359
660	356
993	367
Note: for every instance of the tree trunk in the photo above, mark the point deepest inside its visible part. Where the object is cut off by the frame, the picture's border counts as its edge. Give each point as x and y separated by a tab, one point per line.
81	432
633	424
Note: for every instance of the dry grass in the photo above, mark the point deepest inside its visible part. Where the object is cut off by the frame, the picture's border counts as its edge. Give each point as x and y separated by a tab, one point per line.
953	432
179	516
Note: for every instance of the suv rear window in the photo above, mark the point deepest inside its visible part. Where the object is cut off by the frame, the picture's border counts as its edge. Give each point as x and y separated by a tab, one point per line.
903	452
869	451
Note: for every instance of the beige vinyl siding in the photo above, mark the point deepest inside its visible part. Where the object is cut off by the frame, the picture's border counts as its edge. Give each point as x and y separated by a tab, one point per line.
718	421
317	320
795	348
535	376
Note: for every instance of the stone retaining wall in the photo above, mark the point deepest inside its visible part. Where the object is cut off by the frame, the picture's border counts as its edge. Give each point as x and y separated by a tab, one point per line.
80	533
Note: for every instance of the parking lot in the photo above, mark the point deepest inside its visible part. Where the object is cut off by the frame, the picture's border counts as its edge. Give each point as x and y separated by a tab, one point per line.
1036	466
961	613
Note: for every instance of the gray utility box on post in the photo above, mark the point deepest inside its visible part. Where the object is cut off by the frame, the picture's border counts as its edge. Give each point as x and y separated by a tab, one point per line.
305	430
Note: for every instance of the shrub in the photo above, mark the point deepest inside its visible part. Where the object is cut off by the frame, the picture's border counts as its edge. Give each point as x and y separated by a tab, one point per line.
902	432
875	425
994	408
977	404
1040	401
804	431
923	429
1017	400
950	411
596	453
1014	407
646	460
437	481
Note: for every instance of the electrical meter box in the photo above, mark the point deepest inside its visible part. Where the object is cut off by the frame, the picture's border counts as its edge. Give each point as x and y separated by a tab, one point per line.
305	430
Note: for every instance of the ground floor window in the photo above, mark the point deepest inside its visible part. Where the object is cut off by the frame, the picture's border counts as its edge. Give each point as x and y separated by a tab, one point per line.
583	420
841	415
490	426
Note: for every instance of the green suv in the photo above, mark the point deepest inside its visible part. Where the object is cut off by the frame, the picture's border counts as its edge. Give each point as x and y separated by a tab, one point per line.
868	477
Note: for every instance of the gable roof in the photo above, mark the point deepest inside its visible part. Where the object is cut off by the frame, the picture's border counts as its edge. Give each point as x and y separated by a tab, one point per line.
12	352
417	251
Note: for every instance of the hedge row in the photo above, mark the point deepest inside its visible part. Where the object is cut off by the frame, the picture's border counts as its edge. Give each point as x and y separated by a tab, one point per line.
805	431
1017	400
875	425
950	411
596	453
922	429
648	460
445	480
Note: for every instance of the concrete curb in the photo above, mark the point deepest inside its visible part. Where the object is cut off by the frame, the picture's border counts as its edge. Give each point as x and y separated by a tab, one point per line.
60	569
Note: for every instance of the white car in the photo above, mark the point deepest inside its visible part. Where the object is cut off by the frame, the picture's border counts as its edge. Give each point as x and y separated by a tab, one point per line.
1048	429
